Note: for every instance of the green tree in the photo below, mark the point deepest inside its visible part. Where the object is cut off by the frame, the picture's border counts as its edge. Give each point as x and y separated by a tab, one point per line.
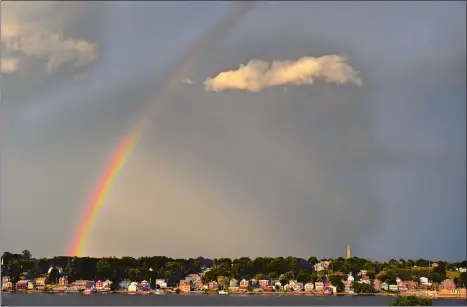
26	254
272	276
103	268
33	273
337	282
133	274
53	275
260	276
303	276
410	301
313	260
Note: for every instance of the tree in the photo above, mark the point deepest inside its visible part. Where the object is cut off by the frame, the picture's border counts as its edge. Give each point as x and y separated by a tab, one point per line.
53	275
33	273
313	260
303	277
103	268
133	274
26	254
411	301
337	282
272	275
260	276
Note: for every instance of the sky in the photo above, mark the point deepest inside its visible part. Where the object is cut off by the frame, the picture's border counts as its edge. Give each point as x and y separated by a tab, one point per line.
305	127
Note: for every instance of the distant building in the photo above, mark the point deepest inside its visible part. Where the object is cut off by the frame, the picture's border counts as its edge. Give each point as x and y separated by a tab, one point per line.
185	286
448	284
233	283
347	254
244	283
161	283
309	286
319	285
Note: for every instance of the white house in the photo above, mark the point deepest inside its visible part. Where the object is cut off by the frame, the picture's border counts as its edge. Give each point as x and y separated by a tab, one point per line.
322	265
393	287
132	287
384	286
462	270
350	278
161	283
309	286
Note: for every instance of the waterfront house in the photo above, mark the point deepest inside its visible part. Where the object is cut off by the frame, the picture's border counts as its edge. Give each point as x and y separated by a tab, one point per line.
331	288
393	287
99	284
384	286
213	285
84	284
412	285
31	284
447	284
143	286
377	285
124	284
132	287
244	284
319	286
193	277
63	281
22	285
278	285
402	286
185	286
41	281
350	278
233	283
309	286
365	280
263	283
254	283
424	282
161	283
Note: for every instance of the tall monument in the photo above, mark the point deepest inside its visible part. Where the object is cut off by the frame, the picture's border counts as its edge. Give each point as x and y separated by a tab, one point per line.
347	254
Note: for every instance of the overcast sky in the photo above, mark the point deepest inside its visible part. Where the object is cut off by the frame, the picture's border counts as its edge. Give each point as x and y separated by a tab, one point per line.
290	168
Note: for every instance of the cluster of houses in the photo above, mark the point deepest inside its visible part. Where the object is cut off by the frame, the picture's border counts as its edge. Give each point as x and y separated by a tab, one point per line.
40	283
193	282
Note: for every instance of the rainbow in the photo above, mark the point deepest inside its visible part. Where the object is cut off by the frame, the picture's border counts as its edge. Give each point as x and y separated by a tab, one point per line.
124	149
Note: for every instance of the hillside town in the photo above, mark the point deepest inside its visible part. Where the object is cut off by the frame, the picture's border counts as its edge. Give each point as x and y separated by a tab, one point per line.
299	277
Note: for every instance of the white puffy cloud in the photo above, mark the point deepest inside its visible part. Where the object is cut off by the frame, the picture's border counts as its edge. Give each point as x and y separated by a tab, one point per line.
258	74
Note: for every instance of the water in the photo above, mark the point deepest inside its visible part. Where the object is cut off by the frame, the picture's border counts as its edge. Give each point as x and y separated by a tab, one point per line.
114	299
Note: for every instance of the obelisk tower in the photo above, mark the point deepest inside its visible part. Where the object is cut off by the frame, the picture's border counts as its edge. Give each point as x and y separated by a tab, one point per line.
347	254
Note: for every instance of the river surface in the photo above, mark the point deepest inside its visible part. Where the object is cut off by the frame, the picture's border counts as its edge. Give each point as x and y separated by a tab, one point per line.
114	299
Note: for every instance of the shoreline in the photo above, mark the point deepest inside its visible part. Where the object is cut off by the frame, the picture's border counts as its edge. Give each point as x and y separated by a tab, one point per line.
212	293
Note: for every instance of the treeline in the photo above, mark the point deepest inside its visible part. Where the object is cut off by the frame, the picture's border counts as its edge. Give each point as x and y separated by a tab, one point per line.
24	265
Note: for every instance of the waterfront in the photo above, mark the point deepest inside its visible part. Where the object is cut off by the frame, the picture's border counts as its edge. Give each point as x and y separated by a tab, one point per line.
114	299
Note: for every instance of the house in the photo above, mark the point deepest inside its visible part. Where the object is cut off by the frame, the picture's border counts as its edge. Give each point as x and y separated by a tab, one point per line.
393	287
244	284
384	286
319	285
84	284
124	284
263	283
365	280
448	284
213	285
22	285
322	265
193	277
296	286
402	286
412	285
350	278
434	265
461	270
106	284
7	285
331	288
346	286
254	283
41	281
185	286
161	283
99	284
424	281
62	281
309	286
377	285
233	283
278	285
31	284
363	272
133	287
143	286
